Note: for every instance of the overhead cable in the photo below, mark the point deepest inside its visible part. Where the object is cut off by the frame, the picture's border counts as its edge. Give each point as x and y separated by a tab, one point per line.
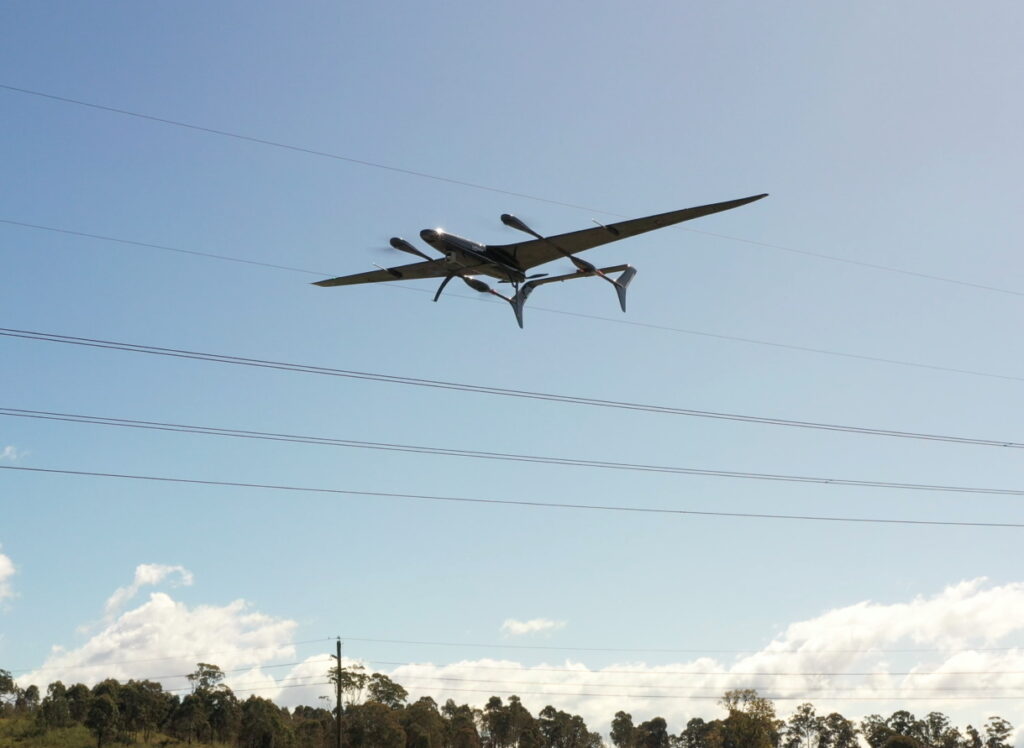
169	657
663	650
148	245
487	188
866	691
478	645
595	317
509	502
663	687
497	456
499	391
657	671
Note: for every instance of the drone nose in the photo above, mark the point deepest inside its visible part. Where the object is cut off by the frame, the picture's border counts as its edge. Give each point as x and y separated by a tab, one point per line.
429	235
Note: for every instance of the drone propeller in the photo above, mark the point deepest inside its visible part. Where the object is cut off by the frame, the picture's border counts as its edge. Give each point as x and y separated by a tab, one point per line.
476	284
512	222
582	265
403	246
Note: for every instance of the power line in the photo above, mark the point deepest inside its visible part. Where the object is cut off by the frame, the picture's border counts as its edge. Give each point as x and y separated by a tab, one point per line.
859	263
680	697
508	502
530	668
506	685
718	697
715	673
486	188
498	456
188	675
780	346
662	650
513	690
527	670
499	391
662	687
512	686
295	148
580	315
169	657
165	247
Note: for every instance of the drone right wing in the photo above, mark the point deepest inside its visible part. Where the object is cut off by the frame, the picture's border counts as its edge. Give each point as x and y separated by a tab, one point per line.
427	269
530	254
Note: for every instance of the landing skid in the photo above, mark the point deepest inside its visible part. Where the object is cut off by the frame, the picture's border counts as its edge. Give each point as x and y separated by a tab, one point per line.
523	291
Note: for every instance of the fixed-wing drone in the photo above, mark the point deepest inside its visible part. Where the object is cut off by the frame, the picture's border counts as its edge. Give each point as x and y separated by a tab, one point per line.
510	263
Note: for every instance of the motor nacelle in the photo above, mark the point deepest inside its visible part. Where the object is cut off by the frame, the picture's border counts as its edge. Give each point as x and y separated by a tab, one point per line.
403	246
476	285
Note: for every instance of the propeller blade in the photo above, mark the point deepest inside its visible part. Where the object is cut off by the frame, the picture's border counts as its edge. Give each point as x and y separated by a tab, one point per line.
512	222
403	246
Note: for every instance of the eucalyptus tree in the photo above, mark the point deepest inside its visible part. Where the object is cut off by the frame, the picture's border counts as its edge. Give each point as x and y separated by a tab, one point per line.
373	725
652	734
696	733
623	733
563	730
103	718
383	690
997	733
53	709
751	722
423	724
805	729
461	725
839	732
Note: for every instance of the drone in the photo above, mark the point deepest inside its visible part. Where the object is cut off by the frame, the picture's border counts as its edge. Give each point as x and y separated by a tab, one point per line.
511	263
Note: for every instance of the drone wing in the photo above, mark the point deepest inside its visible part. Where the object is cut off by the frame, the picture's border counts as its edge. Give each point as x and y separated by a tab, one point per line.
427	269
535	252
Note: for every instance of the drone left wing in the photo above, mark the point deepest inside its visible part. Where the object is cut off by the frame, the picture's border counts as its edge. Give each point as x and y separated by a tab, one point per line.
427	269
530	254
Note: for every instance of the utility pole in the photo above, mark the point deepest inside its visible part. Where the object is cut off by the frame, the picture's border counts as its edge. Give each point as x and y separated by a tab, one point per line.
338	683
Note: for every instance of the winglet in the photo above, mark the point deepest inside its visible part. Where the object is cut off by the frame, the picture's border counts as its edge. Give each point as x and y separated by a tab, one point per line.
622	283
519	300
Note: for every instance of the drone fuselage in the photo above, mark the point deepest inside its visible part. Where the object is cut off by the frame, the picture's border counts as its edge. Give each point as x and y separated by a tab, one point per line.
472	258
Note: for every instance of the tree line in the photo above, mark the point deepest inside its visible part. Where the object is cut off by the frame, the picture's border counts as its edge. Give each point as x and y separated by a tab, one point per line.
378	714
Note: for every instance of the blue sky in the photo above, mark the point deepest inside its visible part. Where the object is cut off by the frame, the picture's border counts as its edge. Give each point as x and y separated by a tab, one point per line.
885	134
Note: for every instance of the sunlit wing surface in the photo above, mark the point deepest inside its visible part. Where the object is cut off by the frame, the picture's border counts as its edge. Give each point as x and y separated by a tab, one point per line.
427	269
535	252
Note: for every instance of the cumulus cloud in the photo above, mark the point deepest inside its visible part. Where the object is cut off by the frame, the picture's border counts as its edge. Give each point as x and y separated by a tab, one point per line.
925	654
512	627
835	660
162	639
145	575
6	572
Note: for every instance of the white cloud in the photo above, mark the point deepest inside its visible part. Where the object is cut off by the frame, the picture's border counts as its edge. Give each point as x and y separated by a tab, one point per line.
145	575
967	628
7	570
11	453
954	631
512	627
163	639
